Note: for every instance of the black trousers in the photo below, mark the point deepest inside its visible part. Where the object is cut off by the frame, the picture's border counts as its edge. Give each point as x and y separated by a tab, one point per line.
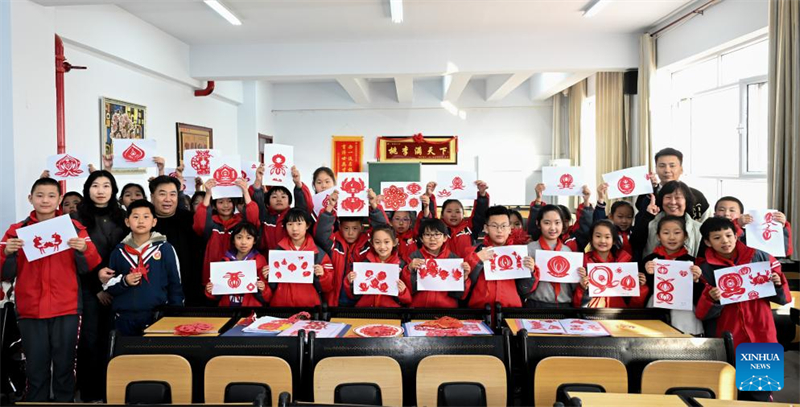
46	341
93	348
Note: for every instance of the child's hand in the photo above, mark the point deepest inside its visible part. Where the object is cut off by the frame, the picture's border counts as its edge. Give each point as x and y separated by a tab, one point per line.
372	197
429	188
260	285
13	245
332	200
584	277
209	287
715	293
539	191
198	182
259	176
696	273
467	269
351	276
45	174
642	279
104	298
653	179
318	270
426	200
211	183
159	164
653	209
602	189
77	243
133	279
108	162
776	279
265	272
744	220
415	264
587	193
779	217
241	183
528	262
296	177
105	274
482	187
401	286
485	254
650	267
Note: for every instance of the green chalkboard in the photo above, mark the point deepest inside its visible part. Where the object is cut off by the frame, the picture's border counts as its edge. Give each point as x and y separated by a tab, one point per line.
386	172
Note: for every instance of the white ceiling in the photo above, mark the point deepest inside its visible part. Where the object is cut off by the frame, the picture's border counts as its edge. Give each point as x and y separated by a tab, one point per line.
271	21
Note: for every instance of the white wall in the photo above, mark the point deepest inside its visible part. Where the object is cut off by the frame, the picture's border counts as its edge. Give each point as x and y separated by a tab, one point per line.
513	132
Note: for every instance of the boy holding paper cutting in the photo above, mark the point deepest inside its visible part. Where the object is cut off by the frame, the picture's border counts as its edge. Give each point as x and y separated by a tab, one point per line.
463	231
48	298
382	251
146	272
732	208
242	248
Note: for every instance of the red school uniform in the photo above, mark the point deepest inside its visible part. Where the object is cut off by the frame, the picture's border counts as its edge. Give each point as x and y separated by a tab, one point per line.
403	298
433	299
505	292
580	299
256	299
217	232
304	295
271	221
464	235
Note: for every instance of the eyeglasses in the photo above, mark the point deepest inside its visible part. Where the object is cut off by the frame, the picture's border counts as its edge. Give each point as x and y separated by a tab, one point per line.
499	227
432	235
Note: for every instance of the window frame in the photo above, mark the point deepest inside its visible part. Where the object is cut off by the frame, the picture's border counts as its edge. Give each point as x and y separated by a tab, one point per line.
744	128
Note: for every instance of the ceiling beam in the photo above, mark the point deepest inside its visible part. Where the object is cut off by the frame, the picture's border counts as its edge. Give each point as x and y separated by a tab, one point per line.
499	86
547	84
404	85
453	85
357	88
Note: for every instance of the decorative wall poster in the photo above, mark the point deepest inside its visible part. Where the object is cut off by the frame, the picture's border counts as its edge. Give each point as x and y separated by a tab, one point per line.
563	181
418	149
541	326
291	266
234	277
46	238
558	267
278	162
613	279
226	171
353	194
469	328
249	169
321	200
673	285
347	153
67	166
134	153
441	275
191	137
321	329
764	233
506	263
628	182
197	163
456	185
120	120
584	327
402	196
376	278
744	283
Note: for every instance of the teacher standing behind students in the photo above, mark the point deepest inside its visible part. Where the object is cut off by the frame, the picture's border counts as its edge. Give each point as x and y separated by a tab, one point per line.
675	199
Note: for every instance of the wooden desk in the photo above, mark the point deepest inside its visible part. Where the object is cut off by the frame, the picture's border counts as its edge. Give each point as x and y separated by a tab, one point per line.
166	326
736	403
358	322
625	400
625	328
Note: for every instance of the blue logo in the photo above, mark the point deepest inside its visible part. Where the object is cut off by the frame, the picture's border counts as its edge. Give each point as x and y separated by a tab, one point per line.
759	367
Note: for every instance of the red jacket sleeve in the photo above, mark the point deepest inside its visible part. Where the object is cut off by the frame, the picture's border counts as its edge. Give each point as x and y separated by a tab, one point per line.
200	214
93	258
251	213
404	297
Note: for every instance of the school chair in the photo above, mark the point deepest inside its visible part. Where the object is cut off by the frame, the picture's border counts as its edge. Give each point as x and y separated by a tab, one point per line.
241	379
461	380
556	375
149	379
691	378
372	380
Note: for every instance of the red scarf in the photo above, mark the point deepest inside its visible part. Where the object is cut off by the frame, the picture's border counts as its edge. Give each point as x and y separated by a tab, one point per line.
661	251
545	246
141	267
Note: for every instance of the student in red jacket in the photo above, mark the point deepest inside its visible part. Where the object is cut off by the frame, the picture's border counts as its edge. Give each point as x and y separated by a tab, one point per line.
433	233
48	298
574	235
297	223
604	235
463	231
242	248
550	221
349	244
621	213
273	205
215	225
505	292
382	251
732	208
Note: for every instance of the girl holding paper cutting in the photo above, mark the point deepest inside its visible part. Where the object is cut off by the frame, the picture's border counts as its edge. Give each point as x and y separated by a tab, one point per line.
383	251
573	235
549	220
433	234
297	223
463	231
621	214
603	234
242	248
671	237
274	204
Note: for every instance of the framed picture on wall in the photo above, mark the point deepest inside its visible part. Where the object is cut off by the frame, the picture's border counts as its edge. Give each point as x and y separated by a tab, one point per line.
263	140
120	120
191	137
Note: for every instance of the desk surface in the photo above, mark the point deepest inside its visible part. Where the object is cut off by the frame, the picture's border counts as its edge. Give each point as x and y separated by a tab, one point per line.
357	322
626	328
167	325
735	403
625	400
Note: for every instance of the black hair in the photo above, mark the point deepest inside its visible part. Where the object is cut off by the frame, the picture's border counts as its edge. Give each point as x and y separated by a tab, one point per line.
248	228
161	180
383	228
296	215
730	199
87	210
497	210
669	218
715	224
45	181
566	214
141	203
432	225
450	201
69	194
132	185
234	201
201	194
611	227
619	204
673	186
326	170
517	214
274	189
360	220
549	208
669	151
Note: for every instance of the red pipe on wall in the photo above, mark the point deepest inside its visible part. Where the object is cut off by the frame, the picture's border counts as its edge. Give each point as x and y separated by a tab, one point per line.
207	91
62	66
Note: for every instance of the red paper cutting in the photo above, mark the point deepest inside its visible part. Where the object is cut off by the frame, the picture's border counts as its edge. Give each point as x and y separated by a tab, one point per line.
201	162
234	279
225	176
68	166
394	198
133	153
626	185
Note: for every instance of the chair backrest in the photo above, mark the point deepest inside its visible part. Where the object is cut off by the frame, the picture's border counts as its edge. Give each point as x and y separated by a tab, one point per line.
489	371
660	376
224	370
171	369
382	371
552	372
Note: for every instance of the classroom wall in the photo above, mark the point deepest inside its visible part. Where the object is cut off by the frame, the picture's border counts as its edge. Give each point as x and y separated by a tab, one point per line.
512	135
